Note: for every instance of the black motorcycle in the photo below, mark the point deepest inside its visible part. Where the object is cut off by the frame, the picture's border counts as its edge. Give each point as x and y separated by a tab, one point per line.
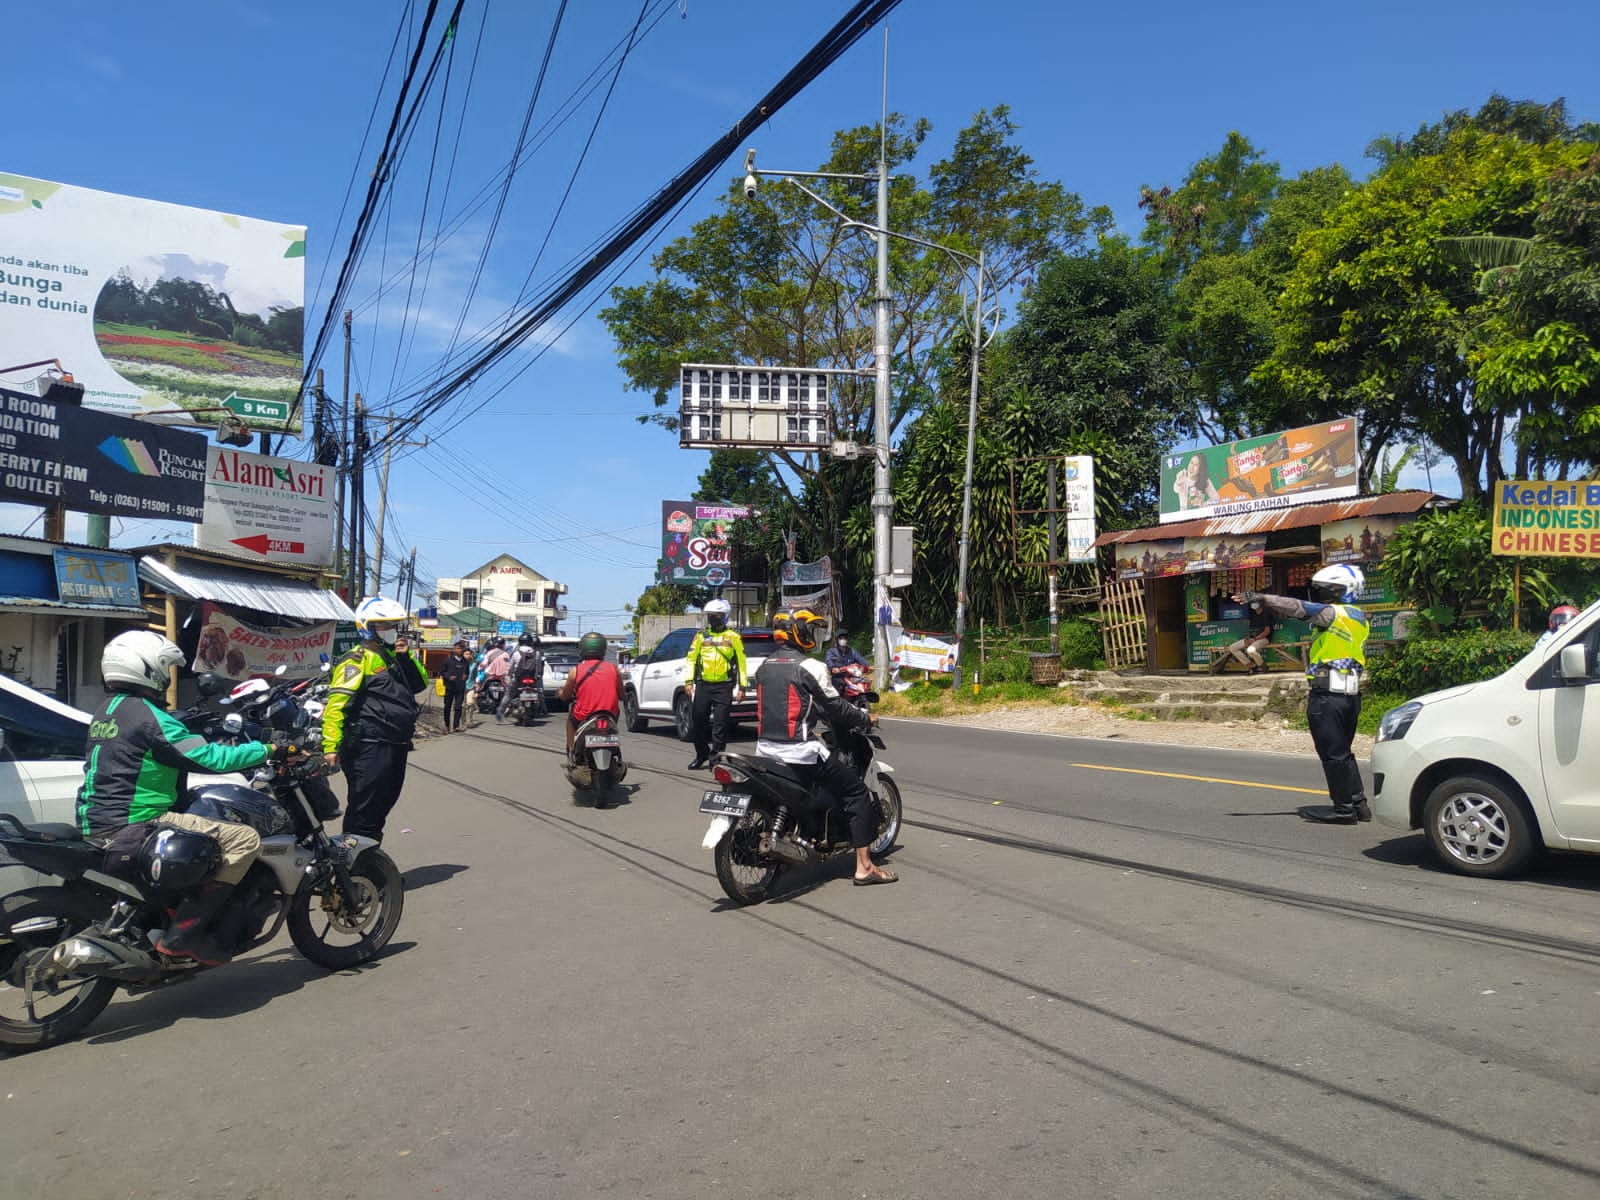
66	949
527	697
595	762
767	817
489	695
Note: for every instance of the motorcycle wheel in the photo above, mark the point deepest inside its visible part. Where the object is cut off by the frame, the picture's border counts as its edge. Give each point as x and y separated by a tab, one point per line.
336	936
48	916
888	815
745	876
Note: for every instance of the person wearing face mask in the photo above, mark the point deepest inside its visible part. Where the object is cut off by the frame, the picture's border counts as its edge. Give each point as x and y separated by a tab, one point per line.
371	715
714	676
841	656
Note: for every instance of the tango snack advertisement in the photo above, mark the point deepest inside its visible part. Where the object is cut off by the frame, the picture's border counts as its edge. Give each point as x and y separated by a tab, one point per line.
1315	462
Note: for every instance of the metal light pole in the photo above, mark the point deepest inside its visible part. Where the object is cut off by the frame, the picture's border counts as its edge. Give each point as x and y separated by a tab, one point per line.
966	488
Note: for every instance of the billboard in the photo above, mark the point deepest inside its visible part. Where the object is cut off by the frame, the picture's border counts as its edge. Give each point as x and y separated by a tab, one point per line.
1557	520
236	649
152	307
267	507
1314	462
94	462
694	542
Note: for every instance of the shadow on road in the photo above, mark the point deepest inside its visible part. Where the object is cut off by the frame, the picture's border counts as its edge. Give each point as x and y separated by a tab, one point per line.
421	877
1579	871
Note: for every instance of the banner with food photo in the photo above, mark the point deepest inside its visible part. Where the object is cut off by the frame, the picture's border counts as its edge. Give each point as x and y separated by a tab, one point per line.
1224	552
1313	462
236	649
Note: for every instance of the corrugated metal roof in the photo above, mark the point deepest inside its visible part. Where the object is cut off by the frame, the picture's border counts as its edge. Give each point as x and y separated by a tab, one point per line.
69	608
248	589
1299	517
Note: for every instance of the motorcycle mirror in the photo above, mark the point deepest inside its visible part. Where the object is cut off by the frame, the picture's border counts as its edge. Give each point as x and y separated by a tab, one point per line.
870	697
233	723
209	685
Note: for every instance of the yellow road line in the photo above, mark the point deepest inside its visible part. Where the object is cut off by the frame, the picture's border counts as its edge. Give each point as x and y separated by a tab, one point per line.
1271	787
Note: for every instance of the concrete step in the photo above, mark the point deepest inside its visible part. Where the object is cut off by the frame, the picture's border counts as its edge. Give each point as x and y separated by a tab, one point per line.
1187	710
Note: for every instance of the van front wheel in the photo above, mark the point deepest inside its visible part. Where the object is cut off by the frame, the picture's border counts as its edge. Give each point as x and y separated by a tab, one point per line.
1477	827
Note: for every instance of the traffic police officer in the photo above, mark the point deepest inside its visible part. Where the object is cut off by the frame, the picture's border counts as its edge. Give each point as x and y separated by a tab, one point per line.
1333	699
716	660
371	715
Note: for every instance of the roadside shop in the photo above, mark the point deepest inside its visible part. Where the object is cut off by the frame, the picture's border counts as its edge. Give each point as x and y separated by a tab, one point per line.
1167	589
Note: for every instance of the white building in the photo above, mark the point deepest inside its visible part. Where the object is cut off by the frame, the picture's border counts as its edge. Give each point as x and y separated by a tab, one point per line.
511	590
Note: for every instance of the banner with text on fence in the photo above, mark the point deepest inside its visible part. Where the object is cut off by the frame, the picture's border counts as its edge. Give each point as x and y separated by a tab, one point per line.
152	307
1537	519
238	650
925	652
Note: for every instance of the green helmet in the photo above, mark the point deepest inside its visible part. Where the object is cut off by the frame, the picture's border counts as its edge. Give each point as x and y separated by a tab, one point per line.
592	645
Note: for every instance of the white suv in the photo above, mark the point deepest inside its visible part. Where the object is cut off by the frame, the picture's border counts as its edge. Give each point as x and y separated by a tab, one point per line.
652	686
41	765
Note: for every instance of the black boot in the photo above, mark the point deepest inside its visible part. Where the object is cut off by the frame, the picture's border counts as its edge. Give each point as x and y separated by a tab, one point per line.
186	936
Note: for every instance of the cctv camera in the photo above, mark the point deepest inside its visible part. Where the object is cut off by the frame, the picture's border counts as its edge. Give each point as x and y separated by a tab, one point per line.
749	187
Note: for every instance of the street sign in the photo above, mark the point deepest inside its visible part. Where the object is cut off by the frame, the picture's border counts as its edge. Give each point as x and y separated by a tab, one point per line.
755	407
262	544
257	410
509	629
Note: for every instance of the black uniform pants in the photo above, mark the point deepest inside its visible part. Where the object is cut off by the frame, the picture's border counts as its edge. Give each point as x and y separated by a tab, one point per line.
1332	719
375	771
712	704
453	698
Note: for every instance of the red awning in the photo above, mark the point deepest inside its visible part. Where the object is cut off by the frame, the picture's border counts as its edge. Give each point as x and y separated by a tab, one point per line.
1388	504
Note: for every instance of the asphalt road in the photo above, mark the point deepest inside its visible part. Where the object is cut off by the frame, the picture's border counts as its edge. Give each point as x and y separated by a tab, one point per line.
1109	970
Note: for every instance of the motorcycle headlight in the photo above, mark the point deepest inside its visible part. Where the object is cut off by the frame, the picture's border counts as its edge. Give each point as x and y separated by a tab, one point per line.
1397	721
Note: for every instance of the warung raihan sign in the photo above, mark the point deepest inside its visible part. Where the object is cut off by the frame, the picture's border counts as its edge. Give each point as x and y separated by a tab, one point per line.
1314	462
152	306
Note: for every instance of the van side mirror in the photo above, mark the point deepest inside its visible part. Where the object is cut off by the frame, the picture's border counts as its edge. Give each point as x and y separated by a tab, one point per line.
1574	664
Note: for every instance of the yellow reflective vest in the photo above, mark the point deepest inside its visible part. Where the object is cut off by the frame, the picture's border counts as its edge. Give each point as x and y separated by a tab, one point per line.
715	657
1344	641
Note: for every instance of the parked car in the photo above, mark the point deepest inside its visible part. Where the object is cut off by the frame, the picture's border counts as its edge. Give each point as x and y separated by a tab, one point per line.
1494	772
652	686
41	764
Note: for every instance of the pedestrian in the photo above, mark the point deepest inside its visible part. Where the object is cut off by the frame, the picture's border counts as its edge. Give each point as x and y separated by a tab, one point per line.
1333	699
1248	648
371	715
455	672
714	676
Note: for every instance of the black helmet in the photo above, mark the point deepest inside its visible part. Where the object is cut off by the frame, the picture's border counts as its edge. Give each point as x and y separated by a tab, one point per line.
175	860
525	640
592	645
800	627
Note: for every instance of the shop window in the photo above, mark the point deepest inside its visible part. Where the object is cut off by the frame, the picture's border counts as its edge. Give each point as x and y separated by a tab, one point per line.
526	596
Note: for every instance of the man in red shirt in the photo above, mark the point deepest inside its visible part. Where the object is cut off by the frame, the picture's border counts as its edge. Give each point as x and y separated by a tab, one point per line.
593	686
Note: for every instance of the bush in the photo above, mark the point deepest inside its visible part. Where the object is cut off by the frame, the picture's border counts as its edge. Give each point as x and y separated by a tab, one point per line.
1431	663
1010	660
1080	644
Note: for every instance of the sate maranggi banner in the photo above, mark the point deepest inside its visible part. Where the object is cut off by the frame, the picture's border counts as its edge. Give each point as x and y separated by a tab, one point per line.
1315	462
236	650
152	306
268	507
694	542
1557	520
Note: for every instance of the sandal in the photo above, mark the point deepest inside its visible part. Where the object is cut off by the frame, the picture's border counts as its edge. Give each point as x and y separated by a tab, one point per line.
879	875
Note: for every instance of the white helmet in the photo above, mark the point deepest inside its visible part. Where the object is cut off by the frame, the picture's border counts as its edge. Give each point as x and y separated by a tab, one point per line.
716	612
380	610
139	658
1342	581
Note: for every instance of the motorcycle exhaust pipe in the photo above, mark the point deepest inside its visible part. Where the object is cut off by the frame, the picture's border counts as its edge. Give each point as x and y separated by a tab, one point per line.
103	958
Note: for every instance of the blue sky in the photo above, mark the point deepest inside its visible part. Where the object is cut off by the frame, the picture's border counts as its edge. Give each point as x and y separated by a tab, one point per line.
261	109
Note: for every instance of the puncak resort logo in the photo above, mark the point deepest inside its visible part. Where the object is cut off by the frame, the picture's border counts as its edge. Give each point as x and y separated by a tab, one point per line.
131	455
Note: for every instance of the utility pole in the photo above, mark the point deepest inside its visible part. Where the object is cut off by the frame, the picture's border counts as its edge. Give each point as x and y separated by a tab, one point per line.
882	496
383	498
411	577
344	448
966	490
358	507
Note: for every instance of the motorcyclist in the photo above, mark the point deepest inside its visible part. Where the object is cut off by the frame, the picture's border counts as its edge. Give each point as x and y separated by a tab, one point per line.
792	694
493	664
1559	616
841	656
593	686
1338	659
137	754
525	661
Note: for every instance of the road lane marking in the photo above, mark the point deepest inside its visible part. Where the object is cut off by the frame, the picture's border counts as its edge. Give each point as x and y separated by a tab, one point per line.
1271	787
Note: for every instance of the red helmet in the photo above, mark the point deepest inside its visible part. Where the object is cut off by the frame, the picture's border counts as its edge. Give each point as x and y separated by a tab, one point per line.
1560	615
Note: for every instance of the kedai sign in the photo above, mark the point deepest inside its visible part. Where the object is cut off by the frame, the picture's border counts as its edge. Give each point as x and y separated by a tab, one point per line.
1553	520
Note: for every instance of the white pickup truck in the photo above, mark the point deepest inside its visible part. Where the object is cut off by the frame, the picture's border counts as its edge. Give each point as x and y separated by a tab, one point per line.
652	685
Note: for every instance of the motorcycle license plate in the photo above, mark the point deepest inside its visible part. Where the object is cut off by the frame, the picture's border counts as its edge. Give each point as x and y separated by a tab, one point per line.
727	804
602	740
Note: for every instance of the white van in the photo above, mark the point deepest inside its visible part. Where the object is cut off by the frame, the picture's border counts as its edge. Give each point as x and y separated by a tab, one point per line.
1495	771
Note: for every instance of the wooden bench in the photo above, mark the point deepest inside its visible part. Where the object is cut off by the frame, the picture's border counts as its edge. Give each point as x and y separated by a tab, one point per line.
1289	654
